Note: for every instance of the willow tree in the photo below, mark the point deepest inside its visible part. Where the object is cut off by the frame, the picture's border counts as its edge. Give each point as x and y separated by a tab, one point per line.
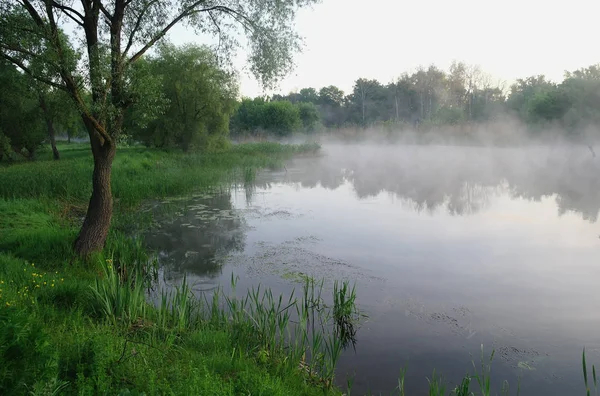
115	34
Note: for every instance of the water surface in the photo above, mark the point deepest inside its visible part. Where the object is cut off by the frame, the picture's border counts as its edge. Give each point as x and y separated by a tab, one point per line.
450	248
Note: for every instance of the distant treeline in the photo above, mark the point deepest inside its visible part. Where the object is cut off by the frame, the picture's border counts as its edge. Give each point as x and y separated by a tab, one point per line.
430	98
180	97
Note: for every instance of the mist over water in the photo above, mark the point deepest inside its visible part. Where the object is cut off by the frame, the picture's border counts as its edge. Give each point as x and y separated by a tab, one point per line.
451	247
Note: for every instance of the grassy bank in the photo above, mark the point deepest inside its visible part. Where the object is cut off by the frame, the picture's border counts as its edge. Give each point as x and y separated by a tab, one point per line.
74	327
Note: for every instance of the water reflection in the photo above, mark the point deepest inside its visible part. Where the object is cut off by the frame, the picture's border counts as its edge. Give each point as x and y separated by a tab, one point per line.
199	236
460	179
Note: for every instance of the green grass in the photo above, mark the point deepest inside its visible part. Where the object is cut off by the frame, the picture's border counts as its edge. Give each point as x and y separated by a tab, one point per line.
74	327
139	173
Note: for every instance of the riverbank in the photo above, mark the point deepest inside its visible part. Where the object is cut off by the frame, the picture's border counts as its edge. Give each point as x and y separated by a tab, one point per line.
69	326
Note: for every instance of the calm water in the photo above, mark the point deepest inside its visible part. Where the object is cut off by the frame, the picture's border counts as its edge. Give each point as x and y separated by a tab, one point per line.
450	248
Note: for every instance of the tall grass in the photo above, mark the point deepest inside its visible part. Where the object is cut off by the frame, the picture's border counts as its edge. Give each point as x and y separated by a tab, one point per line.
301	331
140	173
297	332
122	299
585	376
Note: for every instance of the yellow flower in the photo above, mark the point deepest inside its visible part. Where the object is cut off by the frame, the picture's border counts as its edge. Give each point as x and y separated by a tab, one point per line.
1	282
62	279
52	285
32	265
7	304
44	283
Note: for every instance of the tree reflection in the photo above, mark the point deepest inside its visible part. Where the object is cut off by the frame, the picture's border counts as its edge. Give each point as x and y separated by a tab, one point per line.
199	238
461	180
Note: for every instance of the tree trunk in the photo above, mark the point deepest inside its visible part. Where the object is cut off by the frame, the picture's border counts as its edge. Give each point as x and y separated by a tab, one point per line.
50	126
52	137
94	230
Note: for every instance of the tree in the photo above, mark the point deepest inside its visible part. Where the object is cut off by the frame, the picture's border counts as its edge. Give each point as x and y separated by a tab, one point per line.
281	118
548	106
309	116
118	33
58	112
309	95
198	97
582	88
55	105
523	91
20	118
248	117
331	102
366	96
331	96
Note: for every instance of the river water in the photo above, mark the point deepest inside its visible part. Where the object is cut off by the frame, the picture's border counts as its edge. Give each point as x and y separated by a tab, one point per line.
450	248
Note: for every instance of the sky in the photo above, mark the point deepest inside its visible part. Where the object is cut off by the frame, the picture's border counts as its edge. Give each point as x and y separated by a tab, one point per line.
509	39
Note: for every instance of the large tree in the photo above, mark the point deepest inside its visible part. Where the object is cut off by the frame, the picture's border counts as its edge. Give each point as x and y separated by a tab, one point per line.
115	35
200	97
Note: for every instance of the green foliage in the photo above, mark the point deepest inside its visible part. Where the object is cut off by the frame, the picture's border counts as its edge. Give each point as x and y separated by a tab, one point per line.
20	117
5	147
195	100
39	107
430	98
548	106
122	299
277	117
281	118
309	115
26	356
449	116
139	173
248	116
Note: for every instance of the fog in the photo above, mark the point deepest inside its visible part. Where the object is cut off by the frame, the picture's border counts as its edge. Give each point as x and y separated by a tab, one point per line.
442	167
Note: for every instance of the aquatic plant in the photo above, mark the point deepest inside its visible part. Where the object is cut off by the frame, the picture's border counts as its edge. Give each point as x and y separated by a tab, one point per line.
585	375
122	299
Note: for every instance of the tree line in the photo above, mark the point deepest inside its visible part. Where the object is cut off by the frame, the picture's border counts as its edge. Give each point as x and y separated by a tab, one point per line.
182	98
431	97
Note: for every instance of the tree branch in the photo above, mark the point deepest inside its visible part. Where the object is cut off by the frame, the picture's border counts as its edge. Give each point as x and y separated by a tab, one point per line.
186	13
17	49
68	11
137	25
214	21
28	71
70	16
34	14
104	10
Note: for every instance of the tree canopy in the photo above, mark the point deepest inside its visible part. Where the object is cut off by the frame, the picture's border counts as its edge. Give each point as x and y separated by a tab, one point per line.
192	104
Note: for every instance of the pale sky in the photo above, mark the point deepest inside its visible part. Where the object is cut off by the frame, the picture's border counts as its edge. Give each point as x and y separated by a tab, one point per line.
348	39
